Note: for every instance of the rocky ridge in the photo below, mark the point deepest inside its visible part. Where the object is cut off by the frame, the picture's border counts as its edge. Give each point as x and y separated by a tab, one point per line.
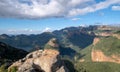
47	60
40	61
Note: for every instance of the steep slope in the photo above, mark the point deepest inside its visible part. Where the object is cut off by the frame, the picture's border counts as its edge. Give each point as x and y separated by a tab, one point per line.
11	53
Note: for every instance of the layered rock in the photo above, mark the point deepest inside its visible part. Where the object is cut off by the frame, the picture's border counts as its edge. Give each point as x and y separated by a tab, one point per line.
41	61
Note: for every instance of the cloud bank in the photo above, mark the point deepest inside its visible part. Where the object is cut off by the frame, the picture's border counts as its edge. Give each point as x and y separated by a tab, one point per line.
22	31
115	7
37	9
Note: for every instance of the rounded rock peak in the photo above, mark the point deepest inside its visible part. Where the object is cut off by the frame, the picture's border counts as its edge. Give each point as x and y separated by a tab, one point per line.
53	43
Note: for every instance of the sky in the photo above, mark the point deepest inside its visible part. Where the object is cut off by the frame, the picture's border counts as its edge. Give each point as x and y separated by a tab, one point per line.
37	16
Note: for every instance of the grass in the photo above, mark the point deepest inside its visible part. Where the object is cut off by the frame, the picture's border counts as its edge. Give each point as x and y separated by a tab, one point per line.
109	45
3	68
86	53
97	67
13	69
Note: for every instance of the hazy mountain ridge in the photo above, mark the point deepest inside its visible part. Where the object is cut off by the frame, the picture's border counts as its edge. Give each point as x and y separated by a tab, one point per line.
31	41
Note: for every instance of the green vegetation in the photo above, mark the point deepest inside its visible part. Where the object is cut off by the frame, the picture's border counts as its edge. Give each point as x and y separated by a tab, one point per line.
109	45
47	46
97	67
26	42
86	53
117	32
3	68
69	65
13	69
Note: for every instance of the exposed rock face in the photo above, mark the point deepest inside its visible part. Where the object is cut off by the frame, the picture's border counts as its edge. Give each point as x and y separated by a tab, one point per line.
41	61
95	41
116	35
98	56
53	42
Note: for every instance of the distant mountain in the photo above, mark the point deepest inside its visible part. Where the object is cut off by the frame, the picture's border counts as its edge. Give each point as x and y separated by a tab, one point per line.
64	36
26	42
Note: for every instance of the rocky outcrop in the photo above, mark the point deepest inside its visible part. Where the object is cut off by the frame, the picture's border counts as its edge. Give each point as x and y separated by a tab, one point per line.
116	35
41	61
99	56
53	42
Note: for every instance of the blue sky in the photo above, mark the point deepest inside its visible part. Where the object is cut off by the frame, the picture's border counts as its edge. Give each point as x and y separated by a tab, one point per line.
20	18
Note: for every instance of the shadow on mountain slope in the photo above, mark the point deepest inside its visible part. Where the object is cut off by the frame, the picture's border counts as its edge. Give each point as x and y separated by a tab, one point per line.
81	40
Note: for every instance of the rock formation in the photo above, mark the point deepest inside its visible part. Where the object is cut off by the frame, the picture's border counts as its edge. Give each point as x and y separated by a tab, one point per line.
41	61
48	60
53	42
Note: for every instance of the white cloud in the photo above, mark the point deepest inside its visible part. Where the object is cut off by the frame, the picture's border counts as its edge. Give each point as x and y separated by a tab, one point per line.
93	7
83	25
20	31
75	19
36	9
24	31
47	29
115	7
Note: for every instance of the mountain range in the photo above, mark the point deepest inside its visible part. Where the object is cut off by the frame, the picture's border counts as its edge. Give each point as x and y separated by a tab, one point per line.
97	46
